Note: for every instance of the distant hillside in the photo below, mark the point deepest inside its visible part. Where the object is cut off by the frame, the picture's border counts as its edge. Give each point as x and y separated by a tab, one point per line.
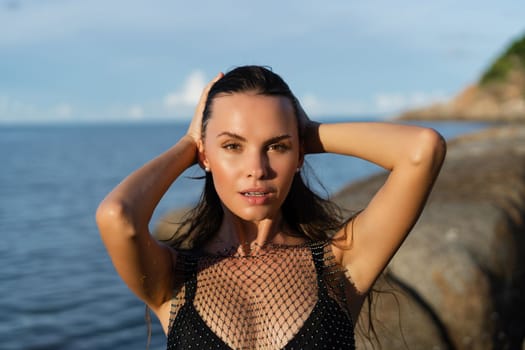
499	95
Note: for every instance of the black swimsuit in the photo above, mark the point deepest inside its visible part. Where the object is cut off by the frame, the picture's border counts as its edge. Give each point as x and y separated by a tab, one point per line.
328	325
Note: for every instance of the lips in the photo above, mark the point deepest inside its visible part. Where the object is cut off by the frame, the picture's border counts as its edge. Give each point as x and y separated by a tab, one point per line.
254	194
257	192
257	196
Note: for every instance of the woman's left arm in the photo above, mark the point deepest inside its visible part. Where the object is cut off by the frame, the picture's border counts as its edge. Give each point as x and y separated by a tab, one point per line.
413	155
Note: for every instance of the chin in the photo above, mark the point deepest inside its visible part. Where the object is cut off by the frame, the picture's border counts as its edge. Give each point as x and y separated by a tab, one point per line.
255	214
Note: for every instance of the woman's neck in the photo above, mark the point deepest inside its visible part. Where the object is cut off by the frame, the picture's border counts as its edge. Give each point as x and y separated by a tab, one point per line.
245	237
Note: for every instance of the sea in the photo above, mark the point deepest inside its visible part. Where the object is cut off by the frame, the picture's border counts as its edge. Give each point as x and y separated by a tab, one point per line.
58	288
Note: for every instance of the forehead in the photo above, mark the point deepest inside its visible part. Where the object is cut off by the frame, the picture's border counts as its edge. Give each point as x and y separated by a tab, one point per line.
248	113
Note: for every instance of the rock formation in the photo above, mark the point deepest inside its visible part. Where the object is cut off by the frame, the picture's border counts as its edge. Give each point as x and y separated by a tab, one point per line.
498	96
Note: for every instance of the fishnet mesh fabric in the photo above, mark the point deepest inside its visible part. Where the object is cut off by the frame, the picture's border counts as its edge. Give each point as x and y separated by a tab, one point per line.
259	301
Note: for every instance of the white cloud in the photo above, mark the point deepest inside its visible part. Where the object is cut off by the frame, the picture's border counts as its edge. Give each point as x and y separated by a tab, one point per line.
190	93
380	104
180	104
136	112
177	105
13	110
310	102
63	111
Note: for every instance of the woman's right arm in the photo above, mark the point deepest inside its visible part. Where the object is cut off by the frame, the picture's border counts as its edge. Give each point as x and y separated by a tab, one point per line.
145	265
123	217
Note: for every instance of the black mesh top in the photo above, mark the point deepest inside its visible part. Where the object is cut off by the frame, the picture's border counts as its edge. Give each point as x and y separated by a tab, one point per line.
283	297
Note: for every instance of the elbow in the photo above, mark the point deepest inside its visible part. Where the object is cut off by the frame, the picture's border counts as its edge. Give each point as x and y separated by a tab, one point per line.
429	149
112	219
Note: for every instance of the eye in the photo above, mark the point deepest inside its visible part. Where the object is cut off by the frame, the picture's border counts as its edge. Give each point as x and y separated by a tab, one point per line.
278	147
231	146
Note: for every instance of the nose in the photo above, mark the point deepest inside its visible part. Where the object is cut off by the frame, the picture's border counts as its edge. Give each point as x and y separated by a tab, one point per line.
258	166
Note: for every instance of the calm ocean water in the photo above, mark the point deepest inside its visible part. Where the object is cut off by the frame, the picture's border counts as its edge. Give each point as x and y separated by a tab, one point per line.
58	289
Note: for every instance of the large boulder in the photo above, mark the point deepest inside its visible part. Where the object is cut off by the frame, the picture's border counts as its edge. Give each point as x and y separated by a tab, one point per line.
463	265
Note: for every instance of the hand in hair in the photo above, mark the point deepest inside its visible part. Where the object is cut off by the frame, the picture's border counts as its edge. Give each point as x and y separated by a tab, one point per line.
309	131
194	130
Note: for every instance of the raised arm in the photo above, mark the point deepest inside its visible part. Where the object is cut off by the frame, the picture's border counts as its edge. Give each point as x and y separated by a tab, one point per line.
123	217
413	156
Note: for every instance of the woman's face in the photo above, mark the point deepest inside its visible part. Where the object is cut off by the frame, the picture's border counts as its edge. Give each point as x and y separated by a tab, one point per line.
252	150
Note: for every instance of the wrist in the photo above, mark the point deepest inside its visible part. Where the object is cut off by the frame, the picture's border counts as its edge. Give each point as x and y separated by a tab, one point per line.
188	145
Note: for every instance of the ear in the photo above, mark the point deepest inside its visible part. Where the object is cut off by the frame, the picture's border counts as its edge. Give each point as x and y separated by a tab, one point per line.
203	161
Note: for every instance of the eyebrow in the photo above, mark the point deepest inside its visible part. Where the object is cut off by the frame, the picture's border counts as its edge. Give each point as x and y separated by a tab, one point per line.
243	139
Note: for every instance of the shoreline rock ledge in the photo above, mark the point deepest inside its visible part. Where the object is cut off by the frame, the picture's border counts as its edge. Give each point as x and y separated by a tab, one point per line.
456	282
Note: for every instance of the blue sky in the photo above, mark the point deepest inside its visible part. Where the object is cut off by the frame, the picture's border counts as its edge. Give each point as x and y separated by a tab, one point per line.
68	61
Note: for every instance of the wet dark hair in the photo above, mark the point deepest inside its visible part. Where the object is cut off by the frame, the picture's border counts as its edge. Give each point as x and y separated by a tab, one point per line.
305	212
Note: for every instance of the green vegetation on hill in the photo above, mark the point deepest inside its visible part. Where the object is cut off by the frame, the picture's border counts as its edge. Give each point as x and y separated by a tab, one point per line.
512	59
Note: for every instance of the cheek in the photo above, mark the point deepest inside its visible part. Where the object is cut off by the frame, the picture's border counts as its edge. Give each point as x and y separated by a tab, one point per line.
224	172
224	165
288	172
285	164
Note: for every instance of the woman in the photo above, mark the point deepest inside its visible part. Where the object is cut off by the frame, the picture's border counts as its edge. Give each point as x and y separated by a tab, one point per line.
266	264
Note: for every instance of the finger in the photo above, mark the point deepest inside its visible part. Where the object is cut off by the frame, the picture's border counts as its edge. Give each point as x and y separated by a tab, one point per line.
218	77
214	80
194	128
207	88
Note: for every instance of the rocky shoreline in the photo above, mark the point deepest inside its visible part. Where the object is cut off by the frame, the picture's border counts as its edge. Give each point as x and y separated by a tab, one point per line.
456	281
496	104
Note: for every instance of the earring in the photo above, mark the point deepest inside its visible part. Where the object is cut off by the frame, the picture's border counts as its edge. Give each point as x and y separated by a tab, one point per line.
297	170
206	169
